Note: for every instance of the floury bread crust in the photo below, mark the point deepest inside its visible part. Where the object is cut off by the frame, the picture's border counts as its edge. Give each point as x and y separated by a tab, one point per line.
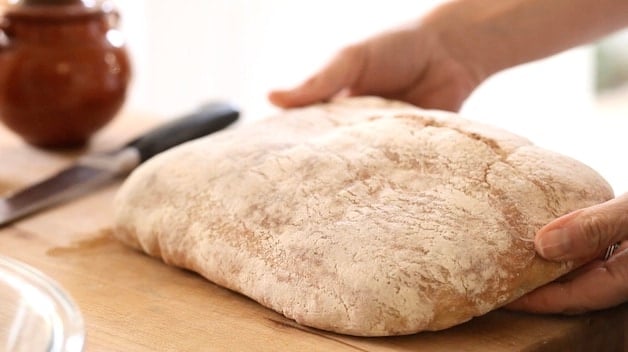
362	216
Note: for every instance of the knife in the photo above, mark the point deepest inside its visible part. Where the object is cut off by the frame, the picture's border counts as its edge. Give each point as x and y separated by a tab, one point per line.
94	170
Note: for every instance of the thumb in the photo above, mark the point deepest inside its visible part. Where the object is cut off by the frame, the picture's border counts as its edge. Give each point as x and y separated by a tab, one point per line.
586	233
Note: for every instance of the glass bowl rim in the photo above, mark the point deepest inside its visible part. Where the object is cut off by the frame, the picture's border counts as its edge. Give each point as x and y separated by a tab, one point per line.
64	316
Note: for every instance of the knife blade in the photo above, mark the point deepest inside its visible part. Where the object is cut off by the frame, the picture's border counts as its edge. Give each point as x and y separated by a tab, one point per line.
95	170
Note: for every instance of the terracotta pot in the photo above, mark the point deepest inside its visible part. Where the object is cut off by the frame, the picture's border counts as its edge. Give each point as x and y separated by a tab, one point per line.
64	70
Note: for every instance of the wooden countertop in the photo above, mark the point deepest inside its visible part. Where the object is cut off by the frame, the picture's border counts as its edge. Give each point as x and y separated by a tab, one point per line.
131	302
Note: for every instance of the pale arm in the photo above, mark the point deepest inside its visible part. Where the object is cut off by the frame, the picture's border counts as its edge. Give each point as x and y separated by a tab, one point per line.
500	34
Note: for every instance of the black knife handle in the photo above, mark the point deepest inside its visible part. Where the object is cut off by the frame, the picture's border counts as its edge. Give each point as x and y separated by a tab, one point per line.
207	119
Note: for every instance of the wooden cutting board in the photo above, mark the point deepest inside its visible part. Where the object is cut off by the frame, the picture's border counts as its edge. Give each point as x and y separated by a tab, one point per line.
132	302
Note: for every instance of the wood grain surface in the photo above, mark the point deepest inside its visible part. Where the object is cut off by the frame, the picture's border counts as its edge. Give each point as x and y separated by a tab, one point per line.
132	302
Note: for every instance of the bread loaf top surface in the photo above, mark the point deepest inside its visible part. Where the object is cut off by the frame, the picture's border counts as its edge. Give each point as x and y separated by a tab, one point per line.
361	216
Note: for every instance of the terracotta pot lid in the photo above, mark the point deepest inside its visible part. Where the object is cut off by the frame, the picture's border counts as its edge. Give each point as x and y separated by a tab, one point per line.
52	9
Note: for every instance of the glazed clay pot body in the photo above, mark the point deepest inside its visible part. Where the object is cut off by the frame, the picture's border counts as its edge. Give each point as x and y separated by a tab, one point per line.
64	72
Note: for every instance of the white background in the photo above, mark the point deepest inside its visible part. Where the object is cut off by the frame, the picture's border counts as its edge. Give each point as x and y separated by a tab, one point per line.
188	52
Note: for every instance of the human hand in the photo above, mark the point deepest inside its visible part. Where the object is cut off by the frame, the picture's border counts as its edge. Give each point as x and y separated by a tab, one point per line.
439	60
412	63
584	235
